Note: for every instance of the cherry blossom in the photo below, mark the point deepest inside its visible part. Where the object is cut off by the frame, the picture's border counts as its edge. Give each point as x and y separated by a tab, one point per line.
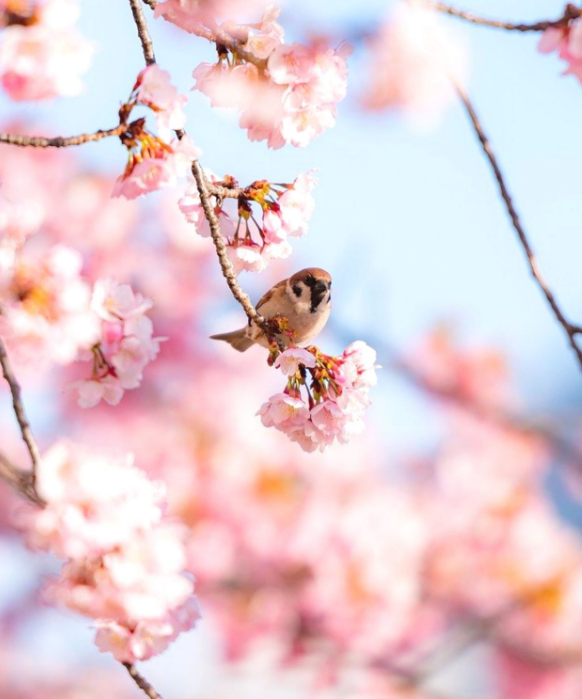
124	347
412	60
125	563
337	399
567	41
46	58
46	313
286	210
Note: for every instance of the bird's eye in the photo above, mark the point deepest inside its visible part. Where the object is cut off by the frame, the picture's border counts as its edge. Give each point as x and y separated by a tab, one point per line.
297	290
309	280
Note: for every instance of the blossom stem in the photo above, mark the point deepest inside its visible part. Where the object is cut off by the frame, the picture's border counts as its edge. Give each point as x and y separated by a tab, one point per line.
571	330
20	413
60	141
571	12
141	682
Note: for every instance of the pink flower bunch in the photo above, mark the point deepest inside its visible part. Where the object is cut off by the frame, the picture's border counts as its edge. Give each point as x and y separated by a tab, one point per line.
43	57
287	92
336	398
154	161
18	221
567	41
190	15
125	562
153	89
412	60
46	306
286	209
124	346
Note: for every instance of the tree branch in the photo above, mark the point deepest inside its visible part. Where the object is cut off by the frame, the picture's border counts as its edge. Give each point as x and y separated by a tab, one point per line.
570	329
18	479
141	682
20	413
571	12
142	31
219	244
60	141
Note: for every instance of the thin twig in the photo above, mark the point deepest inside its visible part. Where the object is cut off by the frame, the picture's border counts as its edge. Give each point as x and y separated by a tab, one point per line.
59	141
219	244
571	12
141	682
151	3
19	479
19	411
142	31
570	329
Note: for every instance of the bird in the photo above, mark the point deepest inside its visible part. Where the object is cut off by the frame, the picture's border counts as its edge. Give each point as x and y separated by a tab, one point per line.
304	299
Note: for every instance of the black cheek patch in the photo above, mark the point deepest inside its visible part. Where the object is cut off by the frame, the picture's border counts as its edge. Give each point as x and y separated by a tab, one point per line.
297	290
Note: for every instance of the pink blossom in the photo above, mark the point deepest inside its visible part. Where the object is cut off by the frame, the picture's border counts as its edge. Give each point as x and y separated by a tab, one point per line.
45	301
359	365
45	60
92	391
412	60
147	175
94	502
125	347
284	412
568	42
112	301
126	563
297	204
190	14
155	90
289	360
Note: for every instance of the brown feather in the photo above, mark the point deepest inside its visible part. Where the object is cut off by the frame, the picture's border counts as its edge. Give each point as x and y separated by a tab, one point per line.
270	293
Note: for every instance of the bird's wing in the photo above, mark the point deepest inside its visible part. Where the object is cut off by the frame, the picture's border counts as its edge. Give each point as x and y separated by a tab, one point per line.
269	294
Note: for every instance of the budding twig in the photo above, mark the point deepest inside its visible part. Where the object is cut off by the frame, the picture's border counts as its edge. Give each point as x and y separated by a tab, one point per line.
571	12
570	329
219	244
60	141
20	413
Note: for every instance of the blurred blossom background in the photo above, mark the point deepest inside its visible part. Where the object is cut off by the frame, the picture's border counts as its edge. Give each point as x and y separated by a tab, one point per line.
439	553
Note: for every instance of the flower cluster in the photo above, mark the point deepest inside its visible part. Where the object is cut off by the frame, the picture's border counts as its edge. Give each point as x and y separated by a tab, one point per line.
45	305
567	41
286	209
154	161
124	347
42	55
191	14
336	398
412	59
125	562
287	92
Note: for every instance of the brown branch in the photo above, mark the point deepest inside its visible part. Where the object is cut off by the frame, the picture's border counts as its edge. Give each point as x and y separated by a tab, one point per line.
570	329
20	413
59	141
570	13
19	479
219	244
151	3
142	31
141	682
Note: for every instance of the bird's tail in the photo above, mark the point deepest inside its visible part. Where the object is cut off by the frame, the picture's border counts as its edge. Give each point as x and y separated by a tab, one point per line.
237	339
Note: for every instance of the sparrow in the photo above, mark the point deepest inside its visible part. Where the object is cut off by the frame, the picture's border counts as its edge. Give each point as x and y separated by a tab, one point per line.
304	300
